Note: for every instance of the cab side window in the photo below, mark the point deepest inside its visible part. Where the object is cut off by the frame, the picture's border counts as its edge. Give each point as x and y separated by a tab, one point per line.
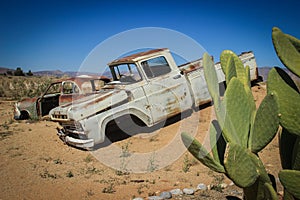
156	67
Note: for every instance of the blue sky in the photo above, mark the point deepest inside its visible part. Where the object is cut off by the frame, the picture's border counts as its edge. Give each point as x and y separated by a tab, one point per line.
50	35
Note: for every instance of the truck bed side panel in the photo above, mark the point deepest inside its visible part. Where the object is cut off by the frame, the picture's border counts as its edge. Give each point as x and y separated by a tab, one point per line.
195	75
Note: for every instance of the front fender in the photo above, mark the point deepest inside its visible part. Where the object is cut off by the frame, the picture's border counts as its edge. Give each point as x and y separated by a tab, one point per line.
26	106
95	126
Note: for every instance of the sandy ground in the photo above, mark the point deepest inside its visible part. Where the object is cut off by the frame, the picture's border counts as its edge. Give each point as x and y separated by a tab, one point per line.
36	164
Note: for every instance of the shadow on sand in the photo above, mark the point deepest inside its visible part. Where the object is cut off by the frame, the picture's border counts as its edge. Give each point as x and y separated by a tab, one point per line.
128	126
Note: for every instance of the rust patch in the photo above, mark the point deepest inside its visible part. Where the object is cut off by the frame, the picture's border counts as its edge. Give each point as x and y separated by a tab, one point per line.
98	99
191	66
28	100
131	58
64	99
174	112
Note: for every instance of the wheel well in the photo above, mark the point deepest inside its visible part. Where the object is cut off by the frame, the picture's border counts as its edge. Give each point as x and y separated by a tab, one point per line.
124	126
137	121
128	118
24	115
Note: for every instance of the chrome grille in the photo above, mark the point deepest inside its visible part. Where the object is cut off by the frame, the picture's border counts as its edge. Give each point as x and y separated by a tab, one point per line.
72	126
59	116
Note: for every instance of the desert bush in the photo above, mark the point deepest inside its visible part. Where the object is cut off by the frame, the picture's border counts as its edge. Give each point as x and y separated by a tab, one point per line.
18	87
19	72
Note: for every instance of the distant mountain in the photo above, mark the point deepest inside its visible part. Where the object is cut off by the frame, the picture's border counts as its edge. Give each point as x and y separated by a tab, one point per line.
49	73
70	73
56	73
263	71
59	73
3	70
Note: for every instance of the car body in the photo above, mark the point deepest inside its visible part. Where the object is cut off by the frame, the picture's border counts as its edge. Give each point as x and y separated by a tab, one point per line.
147	87
58	93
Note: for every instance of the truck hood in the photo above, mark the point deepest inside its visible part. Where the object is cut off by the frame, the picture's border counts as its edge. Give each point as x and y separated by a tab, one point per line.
90	105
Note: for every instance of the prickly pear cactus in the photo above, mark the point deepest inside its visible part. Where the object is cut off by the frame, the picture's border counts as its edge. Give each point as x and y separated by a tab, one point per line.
240	131
287	48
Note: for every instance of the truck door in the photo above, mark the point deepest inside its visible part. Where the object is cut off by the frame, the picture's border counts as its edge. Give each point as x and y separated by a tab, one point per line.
167	90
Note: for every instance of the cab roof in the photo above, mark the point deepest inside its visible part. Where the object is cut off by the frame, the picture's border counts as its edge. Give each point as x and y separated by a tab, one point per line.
137	56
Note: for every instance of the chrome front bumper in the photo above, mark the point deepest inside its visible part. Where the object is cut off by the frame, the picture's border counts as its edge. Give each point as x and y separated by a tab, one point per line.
81	143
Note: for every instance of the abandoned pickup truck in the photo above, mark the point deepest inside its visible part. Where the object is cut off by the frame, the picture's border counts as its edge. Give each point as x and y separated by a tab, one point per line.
58	93
147	86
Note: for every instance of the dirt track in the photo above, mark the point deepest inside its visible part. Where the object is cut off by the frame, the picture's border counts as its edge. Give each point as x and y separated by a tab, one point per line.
35	164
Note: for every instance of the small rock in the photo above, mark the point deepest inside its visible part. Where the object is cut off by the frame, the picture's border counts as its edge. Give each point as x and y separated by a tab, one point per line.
231	184
176	183
209	187
155	198
138	198
166	195
188	191
237	193
176	192
201	186
223	185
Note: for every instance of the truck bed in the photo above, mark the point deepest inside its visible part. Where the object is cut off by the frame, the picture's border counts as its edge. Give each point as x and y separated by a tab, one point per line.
195	75
247	58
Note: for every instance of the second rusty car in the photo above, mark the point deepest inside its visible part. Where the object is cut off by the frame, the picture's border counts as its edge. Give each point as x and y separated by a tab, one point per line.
58	93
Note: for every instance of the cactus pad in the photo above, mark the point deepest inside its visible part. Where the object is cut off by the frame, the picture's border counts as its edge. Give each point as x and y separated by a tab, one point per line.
239	166
265	125
287	49
211	78
217	142
238	113
288	99
290	179
199	152
286	144
235	68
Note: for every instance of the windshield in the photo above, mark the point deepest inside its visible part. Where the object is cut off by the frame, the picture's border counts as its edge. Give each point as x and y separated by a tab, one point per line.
54	89
126	73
